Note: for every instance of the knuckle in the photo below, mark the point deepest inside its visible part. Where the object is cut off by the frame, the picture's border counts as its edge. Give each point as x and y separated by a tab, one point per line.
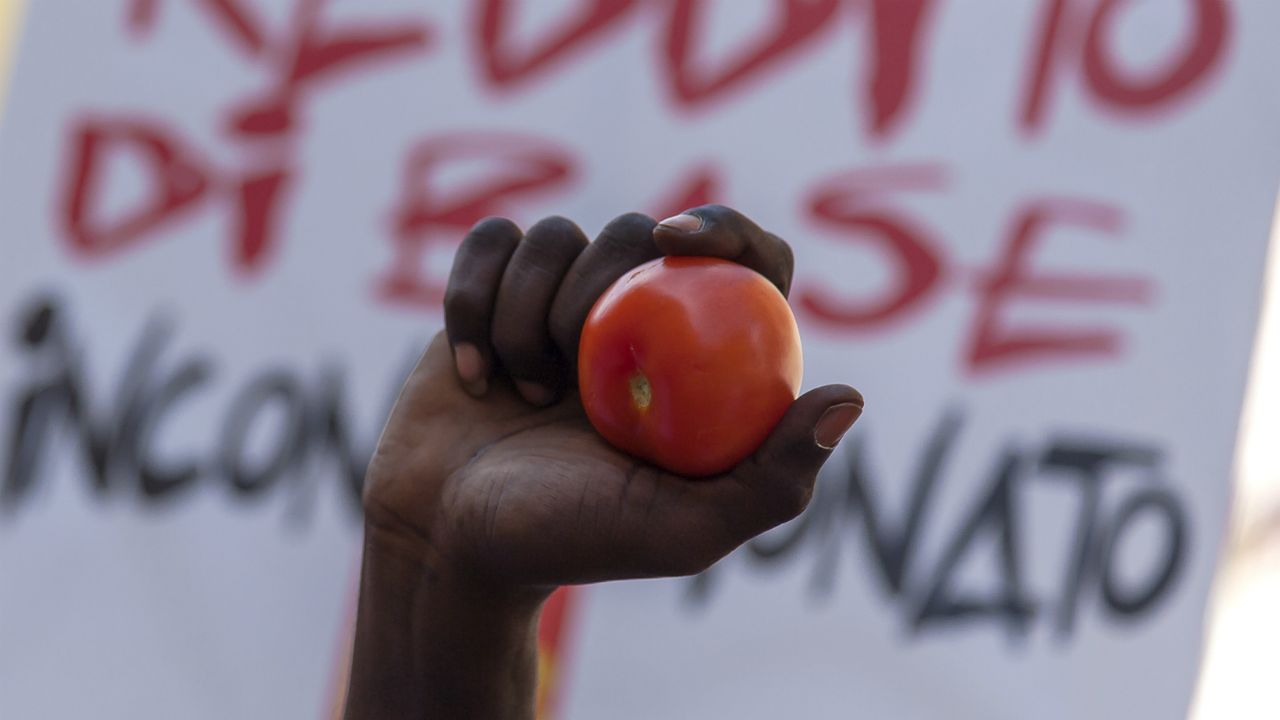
714	209
786	257
797	500
463	302
714	215
778	497
788	501
492	234
556	233
633	218
521	349
543	259
565	330
531	273
628	227
786	264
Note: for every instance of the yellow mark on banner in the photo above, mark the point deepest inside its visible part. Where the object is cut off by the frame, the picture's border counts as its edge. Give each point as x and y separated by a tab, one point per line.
553	639
10	21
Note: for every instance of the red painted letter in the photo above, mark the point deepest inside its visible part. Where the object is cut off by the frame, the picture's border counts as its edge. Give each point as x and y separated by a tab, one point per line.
518	167
177	176
801	20
894	59
841	203
1064	31
993	345
503	67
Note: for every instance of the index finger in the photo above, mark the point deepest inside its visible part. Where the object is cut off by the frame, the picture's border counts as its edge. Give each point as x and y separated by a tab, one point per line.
718	231
626	242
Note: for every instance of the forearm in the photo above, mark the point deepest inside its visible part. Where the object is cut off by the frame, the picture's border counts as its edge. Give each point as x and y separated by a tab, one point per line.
426	646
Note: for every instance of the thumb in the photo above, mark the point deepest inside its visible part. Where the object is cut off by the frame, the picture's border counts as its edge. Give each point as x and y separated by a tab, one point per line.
689	525
780	476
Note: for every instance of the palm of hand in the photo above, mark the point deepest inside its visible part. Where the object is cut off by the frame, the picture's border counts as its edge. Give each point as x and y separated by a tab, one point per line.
531	495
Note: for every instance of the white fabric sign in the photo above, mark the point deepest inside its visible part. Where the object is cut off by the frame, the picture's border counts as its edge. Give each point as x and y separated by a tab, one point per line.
1032	233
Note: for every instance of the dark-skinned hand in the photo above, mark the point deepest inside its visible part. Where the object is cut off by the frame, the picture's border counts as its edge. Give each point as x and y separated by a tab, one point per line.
488	474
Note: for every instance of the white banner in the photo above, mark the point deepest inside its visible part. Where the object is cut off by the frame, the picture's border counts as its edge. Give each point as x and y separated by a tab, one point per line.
1032	233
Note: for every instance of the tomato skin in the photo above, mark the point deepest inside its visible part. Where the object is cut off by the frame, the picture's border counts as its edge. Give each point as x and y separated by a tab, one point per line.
689	363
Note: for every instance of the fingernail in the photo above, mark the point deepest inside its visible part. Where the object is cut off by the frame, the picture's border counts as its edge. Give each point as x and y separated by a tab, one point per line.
534	393
683	223
470	368
834	423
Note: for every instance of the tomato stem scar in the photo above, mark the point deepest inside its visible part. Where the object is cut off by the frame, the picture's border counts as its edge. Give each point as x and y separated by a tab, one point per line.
641	392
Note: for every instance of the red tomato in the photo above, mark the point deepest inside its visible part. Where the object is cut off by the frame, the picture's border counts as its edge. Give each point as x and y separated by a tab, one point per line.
689	363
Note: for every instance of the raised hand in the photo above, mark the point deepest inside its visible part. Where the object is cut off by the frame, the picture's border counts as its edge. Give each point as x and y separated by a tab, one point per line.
489	486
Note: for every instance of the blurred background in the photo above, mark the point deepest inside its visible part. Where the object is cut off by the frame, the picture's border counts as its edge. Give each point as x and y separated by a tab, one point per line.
1034	233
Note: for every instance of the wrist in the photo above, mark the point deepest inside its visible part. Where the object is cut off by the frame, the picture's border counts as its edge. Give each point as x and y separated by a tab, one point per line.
431	640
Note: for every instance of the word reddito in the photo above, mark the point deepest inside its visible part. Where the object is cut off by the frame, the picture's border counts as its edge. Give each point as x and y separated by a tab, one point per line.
312	49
